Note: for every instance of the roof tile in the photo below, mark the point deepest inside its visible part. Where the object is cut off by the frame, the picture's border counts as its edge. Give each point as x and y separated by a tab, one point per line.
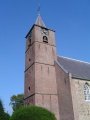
77	68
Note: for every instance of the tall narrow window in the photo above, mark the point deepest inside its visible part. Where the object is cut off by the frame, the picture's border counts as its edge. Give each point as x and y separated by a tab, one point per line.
87	91
29	42
29	89
29	39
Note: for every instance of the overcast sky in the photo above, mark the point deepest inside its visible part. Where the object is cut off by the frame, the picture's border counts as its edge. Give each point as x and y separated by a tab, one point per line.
69	18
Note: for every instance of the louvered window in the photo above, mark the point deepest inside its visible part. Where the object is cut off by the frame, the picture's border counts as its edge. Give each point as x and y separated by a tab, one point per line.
45	39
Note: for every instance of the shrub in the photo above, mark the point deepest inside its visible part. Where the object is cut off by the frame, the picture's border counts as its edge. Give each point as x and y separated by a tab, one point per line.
32	113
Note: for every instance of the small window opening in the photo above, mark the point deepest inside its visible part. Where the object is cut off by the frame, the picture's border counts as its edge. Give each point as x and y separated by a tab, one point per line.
48	70
29	42
65	80
29	59
29	89
45	39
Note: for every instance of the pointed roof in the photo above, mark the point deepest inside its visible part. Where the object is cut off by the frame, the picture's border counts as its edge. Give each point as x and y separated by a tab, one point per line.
39	21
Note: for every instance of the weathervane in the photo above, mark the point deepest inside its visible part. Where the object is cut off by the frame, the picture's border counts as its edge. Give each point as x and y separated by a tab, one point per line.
39	8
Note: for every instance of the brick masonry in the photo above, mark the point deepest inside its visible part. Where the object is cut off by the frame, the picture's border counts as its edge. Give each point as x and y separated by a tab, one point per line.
47	84
40	74
64	94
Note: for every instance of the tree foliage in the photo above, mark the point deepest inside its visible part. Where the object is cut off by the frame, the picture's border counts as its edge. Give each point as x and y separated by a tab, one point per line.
17	101
1	107
6	116
32	113
3	114
1	111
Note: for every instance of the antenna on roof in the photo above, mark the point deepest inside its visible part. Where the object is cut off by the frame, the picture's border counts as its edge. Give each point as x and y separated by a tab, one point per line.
39	8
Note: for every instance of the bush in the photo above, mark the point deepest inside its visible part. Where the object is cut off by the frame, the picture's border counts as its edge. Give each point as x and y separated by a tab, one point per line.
32	113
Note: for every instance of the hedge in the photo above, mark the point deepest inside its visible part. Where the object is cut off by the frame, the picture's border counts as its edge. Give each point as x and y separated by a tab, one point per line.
32	113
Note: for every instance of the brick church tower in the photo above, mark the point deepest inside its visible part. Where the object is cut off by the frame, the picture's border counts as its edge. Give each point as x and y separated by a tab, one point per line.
40	76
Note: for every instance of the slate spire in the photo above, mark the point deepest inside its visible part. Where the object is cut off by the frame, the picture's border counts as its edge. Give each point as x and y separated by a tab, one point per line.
39	21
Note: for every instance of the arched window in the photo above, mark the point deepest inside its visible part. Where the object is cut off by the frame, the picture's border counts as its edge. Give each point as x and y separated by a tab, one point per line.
45	39
87	91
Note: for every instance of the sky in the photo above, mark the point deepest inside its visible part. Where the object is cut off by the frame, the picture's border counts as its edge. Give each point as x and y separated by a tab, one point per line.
69	18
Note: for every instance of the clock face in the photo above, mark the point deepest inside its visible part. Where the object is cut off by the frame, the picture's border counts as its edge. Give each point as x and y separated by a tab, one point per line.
45	32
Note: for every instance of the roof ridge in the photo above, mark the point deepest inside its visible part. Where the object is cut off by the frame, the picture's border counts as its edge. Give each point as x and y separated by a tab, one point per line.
74	59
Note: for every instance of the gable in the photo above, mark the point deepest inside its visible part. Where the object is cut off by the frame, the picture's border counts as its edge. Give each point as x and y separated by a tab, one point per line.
78	69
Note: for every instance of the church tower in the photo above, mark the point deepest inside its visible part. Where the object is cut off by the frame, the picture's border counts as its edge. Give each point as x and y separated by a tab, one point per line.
40	76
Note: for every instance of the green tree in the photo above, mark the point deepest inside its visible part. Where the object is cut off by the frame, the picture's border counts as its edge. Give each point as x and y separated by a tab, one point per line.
17	101
3	114
6	116
32	113
1	111
1	107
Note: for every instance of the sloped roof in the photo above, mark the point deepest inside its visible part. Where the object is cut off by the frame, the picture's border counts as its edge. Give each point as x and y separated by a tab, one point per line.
39	21
77	68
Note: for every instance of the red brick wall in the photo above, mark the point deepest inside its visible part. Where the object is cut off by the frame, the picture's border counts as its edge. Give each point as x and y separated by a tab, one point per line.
64	94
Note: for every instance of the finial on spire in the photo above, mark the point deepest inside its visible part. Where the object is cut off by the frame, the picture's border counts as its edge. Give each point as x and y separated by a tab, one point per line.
39	20
39	8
